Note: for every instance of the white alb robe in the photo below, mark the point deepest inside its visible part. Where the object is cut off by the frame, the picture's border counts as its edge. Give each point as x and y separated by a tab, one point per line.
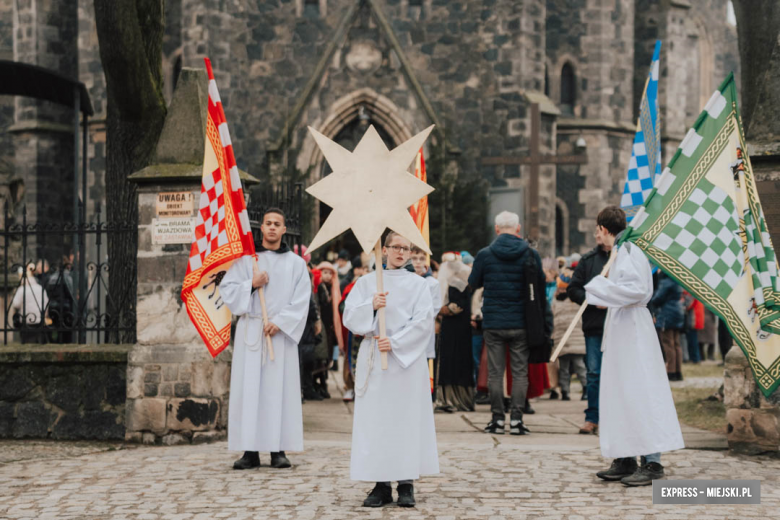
393	433
265	396
636	410
433	285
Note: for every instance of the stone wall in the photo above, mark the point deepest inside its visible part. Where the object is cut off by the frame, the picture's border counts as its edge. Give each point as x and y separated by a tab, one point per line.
176	395
753	420
8	181
472	60
597	39
62	392
45	35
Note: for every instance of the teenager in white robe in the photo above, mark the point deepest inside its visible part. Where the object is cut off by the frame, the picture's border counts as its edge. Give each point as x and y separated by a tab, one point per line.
393	433
265	396
637	413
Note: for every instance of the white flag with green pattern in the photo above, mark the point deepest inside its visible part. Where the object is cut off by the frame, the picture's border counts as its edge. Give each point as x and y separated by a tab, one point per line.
704	226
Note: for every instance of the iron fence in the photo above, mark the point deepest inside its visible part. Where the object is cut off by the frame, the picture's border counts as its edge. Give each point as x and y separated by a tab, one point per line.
57	280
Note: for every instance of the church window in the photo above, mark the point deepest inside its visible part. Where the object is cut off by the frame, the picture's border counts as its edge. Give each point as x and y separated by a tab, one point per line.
568	89
546	82
414	9
313	8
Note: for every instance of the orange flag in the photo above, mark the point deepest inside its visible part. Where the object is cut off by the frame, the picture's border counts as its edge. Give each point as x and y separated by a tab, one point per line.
419	211
222	232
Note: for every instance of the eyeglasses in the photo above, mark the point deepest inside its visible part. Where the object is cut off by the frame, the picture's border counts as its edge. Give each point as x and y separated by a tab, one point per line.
400	249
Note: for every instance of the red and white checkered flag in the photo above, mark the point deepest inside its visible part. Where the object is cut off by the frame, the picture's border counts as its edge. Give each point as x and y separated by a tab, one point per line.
222	231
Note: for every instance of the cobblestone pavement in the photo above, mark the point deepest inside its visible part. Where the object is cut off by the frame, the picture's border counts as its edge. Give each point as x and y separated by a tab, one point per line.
548	474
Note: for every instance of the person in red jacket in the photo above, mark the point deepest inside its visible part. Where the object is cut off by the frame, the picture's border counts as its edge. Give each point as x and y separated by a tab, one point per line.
694	322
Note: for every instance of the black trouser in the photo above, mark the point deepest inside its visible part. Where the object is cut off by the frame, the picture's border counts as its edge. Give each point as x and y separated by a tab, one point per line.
497	341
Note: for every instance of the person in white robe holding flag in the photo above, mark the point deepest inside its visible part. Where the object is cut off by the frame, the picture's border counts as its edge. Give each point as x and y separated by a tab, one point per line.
265	395
637	413
393	434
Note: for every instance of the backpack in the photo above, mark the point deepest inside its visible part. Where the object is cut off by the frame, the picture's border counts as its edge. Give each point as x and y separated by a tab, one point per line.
538	325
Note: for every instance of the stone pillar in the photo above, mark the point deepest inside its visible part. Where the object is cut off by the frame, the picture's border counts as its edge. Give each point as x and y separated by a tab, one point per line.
754	421
176	392
45	34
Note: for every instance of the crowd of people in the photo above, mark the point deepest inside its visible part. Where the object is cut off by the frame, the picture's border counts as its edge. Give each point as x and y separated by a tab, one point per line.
468	331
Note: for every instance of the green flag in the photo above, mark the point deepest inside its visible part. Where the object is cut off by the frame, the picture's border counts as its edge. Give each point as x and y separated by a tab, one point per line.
703	225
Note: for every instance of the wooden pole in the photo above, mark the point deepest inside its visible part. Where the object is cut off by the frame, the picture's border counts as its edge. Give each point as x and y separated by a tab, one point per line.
264	311
573	324
380	288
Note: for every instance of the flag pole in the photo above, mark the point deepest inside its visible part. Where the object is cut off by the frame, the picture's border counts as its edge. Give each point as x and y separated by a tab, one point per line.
380	288
264	310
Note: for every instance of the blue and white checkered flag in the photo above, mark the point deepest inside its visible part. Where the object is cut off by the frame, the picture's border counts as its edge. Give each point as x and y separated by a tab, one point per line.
645	165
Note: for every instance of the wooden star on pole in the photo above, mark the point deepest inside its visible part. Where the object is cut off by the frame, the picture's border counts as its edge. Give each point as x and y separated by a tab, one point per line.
370	189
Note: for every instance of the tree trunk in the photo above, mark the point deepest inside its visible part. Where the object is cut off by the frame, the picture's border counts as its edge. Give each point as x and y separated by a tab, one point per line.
130	33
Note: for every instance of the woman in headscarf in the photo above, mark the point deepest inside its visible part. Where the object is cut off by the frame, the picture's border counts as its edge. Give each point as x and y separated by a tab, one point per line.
455	361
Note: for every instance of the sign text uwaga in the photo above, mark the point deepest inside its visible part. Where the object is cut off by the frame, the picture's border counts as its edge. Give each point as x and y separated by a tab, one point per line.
175	223
175	204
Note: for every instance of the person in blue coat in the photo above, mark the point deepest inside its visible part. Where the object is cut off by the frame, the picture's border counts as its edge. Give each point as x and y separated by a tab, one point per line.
669	321
499	268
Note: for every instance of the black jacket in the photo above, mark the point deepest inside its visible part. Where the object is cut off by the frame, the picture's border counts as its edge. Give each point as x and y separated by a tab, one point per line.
590	266
499	269
309	337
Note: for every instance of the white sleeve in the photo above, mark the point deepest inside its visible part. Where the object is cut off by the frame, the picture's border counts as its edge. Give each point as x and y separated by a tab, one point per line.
292	318
628	285
411	341
236	287
359	315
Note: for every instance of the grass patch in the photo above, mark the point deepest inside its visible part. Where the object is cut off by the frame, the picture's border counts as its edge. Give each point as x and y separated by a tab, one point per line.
702	370
694	411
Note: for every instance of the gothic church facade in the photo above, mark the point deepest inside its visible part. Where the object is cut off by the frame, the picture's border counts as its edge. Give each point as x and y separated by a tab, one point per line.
472	68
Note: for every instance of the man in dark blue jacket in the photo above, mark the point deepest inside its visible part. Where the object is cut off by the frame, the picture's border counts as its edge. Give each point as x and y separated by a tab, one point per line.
669	320
499	269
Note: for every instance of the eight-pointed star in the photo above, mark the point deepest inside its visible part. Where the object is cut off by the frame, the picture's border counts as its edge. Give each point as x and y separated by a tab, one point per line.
369	189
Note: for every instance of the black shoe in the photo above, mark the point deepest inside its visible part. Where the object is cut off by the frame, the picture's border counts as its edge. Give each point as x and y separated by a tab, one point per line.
645	475
312	395
528	409
516	427
335	366
482	398
405	495
619	469
251	459
279	460
679	376
565	396
381	494
323	391
554	394
495	426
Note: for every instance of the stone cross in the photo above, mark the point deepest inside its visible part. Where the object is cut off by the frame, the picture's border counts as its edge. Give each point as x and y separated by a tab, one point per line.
535	159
